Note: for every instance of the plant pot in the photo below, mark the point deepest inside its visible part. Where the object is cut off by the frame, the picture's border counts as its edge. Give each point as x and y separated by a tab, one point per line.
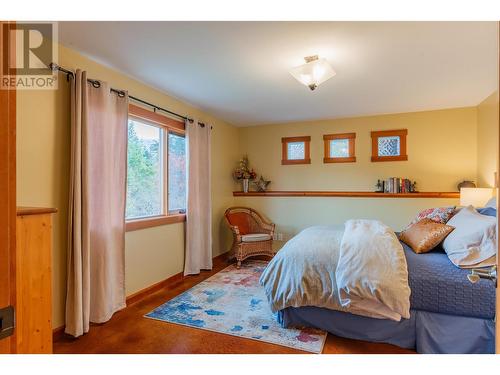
244	184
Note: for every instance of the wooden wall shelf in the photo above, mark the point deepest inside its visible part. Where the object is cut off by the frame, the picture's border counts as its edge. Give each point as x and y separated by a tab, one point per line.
346	194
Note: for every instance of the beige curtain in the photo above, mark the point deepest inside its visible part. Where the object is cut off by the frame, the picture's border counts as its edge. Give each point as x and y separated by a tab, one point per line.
96	265
199	201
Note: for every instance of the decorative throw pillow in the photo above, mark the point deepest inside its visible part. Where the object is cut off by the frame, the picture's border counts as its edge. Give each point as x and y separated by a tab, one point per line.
438	215
473	242
424	235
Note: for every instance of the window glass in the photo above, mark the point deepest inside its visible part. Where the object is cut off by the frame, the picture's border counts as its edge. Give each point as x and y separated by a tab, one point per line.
144	170
296	150
176	172
389	146
339	148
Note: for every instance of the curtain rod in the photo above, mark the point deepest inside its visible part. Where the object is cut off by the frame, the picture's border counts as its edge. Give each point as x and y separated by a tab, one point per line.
96	83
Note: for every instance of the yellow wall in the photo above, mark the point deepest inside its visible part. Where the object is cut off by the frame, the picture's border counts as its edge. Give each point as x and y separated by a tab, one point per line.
43	131
487	140
294	214
441	152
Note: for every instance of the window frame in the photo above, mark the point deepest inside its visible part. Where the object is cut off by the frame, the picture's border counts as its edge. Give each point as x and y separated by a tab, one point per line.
168	125
401	133
351	137
284	150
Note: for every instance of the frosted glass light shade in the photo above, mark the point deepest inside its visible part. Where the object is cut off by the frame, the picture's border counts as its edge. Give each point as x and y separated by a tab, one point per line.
313	73
476	197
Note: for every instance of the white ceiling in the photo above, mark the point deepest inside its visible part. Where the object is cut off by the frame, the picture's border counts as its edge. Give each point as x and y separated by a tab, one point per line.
238	71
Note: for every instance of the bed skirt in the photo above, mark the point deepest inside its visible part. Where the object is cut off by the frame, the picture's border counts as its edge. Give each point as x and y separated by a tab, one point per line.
426	332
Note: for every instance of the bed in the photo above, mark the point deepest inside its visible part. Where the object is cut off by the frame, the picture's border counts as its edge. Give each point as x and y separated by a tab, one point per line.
448	314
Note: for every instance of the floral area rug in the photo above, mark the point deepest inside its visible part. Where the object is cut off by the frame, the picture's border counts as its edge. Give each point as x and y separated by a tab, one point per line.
233	302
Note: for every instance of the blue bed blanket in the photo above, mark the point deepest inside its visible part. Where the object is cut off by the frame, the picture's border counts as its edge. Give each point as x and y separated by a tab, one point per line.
438	286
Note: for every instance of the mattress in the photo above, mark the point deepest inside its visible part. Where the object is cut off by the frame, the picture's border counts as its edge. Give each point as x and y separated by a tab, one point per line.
438	286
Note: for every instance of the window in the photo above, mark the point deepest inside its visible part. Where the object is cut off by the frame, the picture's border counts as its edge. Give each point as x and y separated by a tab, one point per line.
389	145
176	172
295	150
156	170
144	170
339	148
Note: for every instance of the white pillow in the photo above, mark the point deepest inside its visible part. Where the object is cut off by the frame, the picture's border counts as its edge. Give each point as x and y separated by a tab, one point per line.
473	241
492	203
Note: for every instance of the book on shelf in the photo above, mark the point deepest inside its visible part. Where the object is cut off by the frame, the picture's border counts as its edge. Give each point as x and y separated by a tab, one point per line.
396	185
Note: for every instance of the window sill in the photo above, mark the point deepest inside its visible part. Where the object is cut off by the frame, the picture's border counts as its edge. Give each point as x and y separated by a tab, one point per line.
390	158
150	222
295	161
348	159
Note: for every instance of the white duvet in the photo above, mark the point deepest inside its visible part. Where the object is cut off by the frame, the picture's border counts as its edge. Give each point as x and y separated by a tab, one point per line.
361	269
372	275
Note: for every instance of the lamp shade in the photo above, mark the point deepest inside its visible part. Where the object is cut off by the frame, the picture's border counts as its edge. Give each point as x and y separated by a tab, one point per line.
476	197
314	72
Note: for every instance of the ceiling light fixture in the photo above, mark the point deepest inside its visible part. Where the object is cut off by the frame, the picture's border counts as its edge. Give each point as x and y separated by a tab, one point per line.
314	72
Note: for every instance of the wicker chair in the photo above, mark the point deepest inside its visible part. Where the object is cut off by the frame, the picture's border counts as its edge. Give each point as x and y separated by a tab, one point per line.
252	234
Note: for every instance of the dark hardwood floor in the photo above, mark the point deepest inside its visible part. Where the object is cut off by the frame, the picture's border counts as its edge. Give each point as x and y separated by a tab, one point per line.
129	332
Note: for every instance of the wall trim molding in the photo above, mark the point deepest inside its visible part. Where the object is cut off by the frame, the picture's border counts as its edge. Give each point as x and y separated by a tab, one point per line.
143	293
58	332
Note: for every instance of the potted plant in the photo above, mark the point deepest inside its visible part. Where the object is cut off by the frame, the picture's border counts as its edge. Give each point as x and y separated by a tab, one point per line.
244	174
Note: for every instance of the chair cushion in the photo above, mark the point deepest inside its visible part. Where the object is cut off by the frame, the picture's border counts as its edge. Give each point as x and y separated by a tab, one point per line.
255	237
240	219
